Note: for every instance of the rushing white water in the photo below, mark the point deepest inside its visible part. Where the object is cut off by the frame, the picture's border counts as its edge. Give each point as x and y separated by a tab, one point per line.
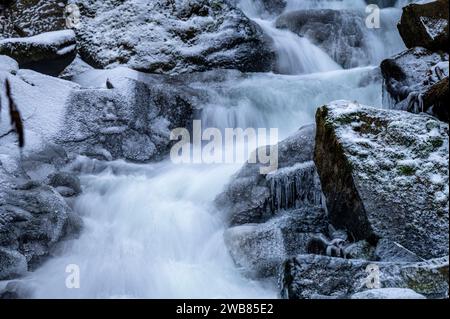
151	231
150	234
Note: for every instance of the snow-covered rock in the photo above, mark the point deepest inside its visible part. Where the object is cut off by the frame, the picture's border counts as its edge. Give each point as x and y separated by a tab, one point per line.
12	263
388	293
25	18
34	218
252	197
48	53
425	25
388	250
385	175
415	81
132	119
260	249
313	276
8	64
171	36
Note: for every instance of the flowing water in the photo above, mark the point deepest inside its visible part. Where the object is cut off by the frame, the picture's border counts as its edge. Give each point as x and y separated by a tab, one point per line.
151	231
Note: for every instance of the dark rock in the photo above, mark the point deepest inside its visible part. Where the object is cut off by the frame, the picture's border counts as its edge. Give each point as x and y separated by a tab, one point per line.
360	250
425	25
417	81
383	3
66	180
48	53
171	36
47	160
385	175
436	98
391	251
307	276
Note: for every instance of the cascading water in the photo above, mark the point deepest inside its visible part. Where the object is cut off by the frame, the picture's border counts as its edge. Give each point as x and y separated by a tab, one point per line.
151	231
297	55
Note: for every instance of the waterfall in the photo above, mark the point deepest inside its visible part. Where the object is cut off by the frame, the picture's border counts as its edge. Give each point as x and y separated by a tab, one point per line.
151	231
297	55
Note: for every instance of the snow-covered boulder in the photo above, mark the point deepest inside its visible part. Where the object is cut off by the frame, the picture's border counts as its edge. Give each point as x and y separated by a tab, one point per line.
415	81
388	293
47	53
313	276
260	249
425	25
252	197
130	119
385	175
171	36
25	18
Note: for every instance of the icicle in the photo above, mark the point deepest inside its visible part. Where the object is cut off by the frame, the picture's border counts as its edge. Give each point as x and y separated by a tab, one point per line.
295	187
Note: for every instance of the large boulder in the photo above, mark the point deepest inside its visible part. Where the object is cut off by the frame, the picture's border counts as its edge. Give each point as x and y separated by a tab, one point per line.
171	36
260	249
131	119
416	80
111	114
25	18
312	276
425	25
385	175
48	53
252	197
